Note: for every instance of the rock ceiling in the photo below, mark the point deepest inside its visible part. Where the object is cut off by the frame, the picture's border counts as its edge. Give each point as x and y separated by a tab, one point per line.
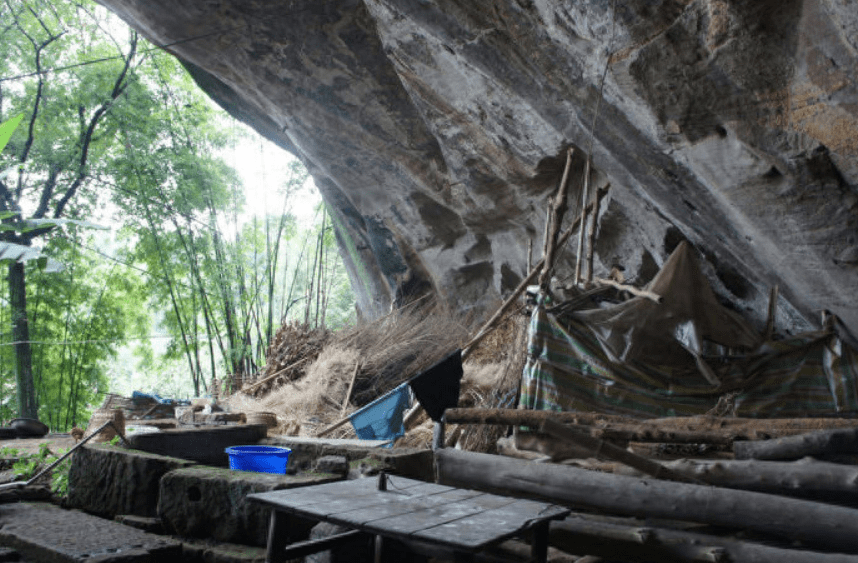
436	130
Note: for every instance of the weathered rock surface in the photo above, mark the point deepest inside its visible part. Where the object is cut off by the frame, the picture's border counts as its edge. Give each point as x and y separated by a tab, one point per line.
212	503
435	130
110	481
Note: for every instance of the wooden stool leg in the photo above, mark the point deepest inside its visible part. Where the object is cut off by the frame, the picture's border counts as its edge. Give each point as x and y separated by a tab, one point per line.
379	548
539	547
278	537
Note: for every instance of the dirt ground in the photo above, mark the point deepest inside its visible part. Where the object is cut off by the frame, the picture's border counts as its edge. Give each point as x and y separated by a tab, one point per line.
56	442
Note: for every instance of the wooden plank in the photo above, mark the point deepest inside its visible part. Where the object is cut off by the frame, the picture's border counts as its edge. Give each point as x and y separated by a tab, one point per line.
377	501
391	506
332	491
405	525
481	529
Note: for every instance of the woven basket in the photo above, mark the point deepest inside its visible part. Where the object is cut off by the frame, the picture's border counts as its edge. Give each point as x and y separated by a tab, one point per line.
101	416
269	419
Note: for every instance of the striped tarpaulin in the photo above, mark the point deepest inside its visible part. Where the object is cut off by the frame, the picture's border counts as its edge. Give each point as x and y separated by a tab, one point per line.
812	374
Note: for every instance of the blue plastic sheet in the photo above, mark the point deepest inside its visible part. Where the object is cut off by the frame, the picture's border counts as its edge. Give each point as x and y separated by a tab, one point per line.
382	418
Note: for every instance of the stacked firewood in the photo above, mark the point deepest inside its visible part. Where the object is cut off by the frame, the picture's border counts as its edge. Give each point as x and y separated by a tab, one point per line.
293	348
788	492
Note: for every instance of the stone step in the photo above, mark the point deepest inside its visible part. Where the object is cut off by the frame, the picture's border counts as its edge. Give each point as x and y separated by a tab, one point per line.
44	532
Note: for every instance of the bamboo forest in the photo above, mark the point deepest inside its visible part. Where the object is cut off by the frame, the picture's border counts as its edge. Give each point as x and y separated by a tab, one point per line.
133	253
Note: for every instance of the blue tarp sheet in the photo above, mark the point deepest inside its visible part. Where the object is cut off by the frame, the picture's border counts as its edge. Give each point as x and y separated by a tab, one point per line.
382	418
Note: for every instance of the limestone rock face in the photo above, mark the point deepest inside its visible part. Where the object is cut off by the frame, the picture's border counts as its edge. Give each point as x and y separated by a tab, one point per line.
436	130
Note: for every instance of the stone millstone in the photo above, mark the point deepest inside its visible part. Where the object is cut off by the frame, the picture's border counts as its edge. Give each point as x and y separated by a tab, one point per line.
109	481
211	502
46	533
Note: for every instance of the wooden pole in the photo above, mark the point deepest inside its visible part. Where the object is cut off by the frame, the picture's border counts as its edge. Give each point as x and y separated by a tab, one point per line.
484	330
585	196
555	219
772	312
349	392
273	375
815	524
601	448
591	244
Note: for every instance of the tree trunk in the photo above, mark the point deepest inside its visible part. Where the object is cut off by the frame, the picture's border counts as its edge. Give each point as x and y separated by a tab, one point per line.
816	444
27	407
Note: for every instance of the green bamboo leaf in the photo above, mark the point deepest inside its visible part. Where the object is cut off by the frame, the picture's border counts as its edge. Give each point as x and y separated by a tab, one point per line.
19	253
33	224
7	128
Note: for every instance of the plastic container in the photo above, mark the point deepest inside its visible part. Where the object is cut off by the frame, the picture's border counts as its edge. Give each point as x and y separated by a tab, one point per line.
262	459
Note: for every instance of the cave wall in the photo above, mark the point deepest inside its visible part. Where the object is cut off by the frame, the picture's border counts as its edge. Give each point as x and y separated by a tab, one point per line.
435	129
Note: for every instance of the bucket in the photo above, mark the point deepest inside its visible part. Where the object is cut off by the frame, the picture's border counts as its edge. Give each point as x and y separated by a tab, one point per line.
262	459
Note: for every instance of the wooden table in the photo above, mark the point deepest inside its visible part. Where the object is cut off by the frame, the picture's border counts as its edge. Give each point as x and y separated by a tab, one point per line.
459	520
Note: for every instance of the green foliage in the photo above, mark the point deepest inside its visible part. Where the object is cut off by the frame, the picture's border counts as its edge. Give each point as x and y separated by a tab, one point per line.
28	466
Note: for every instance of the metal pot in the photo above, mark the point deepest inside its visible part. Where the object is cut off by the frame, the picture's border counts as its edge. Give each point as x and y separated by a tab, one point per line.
29	427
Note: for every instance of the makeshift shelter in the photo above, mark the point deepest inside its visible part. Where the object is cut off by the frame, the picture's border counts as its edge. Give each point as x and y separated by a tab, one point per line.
681	356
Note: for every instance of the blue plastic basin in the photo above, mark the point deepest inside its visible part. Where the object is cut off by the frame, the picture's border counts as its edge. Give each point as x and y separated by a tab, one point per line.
262	459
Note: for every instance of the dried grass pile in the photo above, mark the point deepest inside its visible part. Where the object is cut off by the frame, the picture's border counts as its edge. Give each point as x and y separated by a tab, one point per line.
379	356
290	354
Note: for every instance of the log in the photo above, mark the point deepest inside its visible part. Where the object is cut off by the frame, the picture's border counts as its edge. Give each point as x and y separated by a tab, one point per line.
806	478
816	444
817	524
628	540
601	448
484	330
684	430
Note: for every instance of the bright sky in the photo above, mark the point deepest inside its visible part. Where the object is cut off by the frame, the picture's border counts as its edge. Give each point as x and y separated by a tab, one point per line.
262	166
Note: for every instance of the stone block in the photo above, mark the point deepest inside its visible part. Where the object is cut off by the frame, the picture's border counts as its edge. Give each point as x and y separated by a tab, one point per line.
109	480
46	533
212	502
336	464
203	445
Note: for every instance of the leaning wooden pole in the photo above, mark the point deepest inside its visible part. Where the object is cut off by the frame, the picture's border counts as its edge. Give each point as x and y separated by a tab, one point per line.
813	523
502	310
555	219
585	196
